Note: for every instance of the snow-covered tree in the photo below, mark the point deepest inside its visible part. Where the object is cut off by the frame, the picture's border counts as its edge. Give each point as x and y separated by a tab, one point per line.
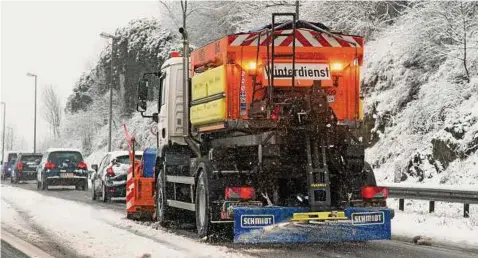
52	110
447	29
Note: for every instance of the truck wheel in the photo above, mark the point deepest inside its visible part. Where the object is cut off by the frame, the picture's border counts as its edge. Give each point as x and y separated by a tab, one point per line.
202	205
370	175
162	210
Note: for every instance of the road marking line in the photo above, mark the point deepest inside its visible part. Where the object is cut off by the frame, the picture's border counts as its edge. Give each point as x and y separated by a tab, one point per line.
23	246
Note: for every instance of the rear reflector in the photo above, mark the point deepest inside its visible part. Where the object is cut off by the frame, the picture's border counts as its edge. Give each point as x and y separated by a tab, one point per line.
240	193
20	165
371	192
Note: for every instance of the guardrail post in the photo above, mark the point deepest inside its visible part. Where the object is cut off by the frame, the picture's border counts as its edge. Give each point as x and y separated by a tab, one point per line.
466	212
431	208
401	204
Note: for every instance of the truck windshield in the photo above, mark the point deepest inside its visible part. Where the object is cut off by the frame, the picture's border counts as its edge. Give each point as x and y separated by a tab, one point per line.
125	159
65	156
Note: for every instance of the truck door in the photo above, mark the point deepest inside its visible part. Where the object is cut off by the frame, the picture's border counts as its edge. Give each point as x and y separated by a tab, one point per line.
163	108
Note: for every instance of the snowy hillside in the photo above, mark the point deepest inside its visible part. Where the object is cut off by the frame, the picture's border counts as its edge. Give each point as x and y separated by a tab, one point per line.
425	105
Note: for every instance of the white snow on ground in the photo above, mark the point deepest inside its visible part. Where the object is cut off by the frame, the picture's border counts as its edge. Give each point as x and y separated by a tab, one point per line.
97	232
445	225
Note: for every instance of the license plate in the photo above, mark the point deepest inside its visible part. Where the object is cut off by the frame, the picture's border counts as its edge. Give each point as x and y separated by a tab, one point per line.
66	175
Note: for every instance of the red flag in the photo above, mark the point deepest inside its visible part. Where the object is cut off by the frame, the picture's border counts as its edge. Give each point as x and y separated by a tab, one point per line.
128	137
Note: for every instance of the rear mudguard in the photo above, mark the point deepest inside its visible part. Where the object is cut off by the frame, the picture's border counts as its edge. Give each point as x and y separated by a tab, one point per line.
274	224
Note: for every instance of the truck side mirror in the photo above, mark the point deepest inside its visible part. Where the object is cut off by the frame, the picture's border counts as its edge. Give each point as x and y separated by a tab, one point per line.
143	89
94	167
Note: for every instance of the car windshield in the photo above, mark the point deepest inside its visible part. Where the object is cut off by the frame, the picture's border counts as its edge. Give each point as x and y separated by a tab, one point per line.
64	156
31	158
12	157
125	159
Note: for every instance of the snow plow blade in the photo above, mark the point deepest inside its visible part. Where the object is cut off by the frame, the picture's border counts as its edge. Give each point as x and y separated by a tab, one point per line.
295	225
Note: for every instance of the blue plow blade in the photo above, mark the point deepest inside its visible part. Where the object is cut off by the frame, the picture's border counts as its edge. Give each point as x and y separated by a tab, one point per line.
273	224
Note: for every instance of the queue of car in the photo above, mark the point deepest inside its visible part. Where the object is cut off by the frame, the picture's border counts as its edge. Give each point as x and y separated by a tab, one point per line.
66	167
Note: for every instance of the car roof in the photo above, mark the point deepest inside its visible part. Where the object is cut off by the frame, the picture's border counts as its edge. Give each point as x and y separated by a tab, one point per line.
29	153
122	153
62	149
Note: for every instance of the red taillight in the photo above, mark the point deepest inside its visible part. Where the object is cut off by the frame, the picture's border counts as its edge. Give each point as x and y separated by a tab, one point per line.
175	54
236	193
82	165
275	113
110	172
371	192
20	165
50	165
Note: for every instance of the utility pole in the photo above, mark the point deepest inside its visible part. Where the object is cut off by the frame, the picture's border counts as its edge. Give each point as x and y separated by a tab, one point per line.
10	132
297	10
35	119
3	131
113	38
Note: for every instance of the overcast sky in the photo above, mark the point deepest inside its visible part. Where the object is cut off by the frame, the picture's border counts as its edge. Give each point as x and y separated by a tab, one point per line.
58	41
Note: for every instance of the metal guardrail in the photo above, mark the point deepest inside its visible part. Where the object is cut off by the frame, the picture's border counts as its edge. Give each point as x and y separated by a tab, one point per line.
434	195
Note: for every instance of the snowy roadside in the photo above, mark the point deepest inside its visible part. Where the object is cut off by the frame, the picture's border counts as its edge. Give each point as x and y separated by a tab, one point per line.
97	232
446	225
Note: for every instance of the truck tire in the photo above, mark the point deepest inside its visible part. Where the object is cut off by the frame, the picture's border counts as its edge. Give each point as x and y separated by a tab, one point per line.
202	205
370	181
163	213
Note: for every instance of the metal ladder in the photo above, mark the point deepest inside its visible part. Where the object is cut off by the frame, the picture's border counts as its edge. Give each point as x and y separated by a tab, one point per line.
318	179
275	55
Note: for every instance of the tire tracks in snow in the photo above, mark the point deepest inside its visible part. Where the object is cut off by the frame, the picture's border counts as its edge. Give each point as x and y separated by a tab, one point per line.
137	233
47	242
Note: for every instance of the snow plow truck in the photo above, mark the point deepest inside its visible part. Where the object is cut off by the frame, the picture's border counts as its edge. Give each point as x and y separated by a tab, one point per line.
258	130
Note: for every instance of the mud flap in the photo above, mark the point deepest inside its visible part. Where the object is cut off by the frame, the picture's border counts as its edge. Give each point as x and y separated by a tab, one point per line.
274	224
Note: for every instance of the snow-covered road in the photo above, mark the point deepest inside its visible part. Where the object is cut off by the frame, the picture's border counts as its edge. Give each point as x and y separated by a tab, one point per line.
67	223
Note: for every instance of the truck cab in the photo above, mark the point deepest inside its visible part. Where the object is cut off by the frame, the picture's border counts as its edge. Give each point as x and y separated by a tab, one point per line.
170	101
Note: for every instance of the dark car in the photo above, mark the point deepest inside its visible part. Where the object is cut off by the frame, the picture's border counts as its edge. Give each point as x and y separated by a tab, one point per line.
109	179
62	167
8	164
25	168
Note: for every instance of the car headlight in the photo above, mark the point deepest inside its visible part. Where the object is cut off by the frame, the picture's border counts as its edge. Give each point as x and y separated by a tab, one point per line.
9	169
